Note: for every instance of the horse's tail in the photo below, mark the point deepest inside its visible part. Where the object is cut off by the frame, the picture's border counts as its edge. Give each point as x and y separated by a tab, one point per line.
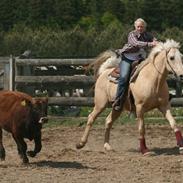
105	60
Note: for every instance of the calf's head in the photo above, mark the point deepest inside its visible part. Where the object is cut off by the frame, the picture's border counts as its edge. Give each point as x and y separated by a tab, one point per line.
38	117
40	107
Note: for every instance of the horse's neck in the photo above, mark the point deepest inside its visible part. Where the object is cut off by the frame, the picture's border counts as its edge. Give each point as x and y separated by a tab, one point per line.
158	66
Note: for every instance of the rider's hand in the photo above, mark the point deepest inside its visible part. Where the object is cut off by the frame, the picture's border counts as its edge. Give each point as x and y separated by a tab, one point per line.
153	43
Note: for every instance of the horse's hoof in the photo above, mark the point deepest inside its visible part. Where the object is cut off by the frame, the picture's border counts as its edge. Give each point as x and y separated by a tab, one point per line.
80	145
107	147
181	150
149	153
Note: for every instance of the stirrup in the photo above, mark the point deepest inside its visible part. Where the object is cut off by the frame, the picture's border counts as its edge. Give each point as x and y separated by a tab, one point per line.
117	108
117	105
112	79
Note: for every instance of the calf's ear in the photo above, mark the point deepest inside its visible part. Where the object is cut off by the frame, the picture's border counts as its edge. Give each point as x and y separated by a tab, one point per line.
40	100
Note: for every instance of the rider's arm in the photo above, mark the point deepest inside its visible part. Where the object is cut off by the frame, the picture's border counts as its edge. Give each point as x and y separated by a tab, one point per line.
132	40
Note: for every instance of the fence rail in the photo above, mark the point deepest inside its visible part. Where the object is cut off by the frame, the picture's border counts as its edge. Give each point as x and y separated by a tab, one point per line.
25	75
55	62
71	101
89	101
31	80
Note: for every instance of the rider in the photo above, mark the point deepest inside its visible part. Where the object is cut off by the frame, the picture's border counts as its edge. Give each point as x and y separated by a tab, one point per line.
136	49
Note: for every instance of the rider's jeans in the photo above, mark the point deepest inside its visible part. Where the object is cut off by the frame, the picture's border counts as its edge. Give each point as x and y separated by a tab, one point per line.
125	70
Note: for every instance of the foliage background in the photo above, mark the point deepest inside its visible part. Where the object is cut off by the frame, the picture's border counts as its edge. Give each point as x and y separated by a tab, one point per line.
82	28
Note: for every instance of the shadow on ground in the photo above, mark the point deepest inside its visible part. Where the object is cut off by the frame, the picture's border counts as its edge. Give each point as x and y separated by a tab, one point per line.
63	164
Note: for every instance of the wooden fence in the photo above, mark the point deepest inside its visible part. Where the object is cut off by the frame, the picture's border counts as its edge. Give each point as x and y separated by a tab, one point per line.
4	73
63	75
50	75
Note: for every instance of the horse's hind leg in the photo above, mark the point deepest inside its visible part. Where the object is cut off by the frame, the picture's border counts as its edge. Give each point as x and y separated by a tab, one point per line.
2	150
91	118
167	113
108	125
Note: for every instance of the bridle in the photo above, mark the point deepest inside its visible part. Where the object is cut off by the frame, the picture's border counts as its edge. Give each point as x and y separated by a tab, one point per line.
171	68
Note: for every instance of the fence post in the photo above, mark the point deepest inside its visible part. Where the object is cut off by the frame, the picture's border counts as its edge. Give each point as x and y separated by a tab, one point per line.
12	73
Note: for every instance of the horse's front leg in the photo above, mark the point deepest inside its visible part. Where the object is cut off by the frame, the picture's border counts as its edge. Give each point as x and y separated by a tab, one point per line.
141	128
167	113
91	118
108	125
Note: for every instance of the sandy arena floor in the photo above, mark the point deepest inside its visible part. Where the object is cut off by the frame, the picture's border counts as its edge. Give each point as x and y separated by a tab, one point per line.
59	160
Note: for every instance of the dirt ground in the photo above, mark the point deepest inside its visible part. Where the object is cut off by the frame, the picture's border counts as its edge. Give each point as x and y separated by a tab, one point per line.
59	160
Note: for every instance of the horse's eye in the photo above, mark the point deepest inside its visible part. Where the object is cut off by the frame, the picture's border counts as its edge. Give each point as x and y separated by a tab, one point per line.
172	58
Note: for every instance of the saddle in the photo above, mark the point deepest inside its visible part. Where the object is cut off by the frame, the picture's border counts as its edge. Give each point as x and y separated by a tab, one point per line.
136	68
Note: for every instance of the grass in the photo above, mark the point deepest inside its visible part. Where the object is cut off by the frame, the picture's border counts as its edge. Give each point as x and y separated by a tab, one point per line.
176	111
152	117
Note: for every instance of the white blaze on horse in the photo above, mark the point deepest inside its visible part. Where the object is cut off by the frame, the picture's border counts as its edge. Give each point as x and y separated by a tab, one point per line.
149	90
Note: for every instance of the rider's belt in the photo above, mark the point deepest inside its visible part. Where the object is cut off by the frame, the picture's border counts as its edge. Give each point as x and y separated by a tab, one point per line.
126	59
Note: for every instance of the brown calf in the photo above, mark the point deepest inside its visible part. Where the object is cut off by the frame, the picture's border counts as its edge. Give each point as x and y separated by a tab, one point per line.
22	116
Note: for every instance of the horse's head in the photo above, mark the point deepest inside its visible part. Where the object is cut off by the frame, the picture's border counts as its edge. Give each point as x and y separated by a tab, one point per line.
169	52
173	58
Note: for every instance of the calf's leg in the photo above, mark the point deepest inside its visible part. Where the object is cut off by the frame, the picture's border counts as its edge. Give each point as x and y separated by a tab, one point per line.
21	147
37	148
2	150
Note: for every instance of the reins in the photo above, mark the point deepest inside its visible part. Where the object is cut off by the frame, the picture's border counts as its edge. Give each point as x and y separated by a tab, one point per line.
155	65
174	73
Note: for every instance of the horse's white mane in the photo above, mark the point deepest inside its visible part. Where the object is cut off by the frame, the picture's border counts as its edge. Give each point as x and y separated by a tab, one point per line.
113	60
170	43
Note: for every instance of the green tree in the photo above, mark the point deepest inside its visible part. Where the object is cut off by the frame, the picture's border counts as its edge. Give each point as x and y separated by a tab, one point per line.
133	10
67	13
95	10
115	7
22	12
171	19
152	13
35	16
7	16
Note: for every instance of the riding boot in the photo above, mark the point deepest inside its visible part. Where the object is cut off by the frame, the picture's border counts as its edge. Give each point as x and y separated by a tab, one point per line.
125	69
118	103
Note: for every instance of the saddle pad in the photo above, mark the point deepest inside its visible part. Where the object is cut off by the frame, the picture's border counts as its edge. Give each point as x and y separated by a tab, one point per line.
136	68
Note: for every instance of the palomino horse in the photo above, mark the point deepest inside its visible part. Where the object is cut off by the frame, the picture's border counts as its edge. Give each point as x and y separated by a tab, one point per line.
149	90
